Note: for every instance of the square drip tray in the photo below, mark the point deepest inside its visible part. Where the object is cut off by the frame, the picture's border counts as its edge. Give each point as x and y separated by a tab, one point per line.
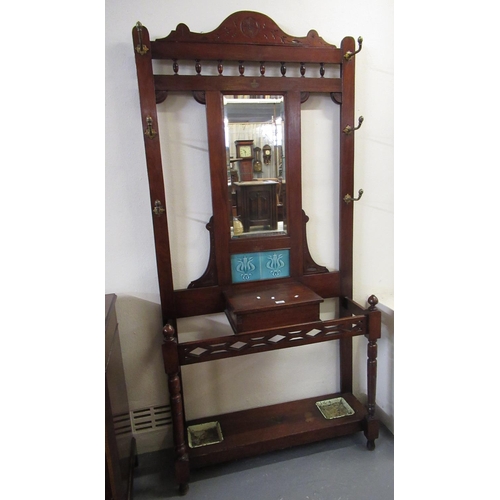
204	434
334	408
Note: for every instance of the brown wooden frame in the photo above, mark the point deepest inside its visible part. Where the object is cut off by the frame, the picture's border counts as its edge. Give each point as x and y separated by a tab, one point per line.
253	37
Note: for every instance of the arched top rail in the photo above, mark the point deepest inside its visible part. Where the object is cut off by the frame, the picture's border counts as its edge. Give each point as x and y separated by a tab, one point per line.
248	36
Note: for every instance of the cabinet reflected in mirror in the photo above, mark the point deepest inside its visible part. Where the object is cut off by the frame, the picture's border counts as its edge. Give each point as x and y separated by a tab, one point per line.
254	128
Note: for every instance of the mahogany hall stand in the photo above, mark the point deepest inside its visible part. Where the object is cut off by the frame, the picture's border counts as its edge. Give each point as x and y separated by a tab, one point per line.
260	322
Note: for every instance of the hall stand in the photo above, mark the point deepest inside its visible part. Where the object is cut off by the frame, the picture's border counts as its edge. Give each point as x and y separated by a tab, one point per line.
270	311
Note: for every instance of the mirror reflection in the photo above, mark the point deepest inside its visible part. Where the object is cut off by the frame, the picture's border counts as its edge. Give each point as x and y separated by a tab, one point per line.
254	128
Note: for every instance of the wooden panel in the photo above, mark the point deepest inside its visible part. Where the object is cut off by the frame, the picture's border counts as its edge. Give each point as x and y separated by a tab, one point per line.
243	245
238	84
256	202
326	284
219	52
199	301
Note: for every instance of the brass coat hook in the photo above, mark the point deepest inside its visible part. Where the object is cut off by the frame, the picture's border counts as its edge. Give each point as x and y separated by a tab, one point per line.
150	131
158	209
140	48
349	130
349	55
348	198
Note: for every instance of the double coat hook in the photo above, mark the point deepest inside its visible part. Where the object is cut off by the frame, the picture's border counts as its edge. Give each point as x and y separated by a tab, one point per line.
349	55
349	130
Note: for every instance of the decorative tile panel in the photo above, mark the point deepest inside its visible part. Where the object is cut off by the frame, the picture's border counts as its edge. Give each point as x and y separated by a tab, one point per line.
256	266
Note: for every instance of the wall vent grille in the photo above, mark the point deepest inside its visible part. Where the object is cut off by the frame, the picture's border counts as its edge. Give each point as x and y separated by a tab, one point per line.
122	424
143	420
148	419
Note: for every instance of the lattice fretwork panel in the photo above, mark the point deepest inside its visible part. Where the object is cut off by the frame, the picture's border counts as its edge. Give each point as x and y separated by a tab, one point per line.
266	340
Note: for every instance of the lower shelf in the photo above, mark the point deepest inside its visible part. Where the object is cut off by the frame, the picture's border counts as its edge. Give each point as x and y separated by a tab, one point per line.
260	430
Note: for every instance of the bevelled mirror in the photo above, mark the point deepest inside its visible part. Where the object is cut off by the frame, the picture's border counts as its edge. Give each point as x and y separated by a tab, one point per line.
254	131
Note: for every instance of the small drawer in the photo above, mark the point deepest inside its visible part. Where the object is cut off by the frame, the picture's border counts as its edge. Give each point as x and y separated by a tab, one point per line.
270	307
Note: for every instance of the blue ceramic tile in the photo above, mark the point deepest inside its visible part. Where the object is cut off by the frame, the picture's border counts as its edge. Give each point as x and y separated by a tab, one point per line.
275	264
260	265
245	267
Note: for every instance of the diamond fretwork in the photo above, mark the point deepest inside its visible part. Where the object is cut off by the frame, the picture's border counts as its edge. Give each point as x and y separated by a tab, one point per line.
276	338
313	332
238	345
198	351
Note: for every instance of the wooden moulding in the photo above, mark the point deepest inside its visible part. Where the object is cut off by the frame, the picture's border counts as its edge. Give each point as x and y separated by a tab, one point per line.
277	305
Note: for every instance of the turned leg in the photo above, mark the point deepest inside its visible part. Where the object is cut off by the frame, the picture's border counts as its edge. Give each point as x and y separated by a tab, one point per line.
172	367
181	450
372	425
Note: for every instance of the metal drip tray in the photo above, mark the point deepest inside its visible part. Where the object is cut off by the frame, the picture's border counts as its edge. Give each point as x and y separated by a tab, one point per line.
334	408
204	434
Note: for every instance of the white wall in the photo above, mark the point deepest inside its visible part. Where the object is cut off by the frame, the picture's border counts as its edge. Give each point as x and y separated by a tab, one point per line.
130	257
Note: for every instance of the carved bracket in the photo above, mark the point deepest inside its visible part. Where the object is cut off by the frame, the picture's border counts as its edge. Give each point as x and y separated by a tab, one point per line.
310	267
160	96
209	277
336	97
199	96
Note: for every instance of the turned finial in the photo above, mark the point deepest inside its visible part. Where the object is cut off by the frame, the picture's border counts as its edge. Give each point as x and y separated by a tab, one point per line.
168	331
373	301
